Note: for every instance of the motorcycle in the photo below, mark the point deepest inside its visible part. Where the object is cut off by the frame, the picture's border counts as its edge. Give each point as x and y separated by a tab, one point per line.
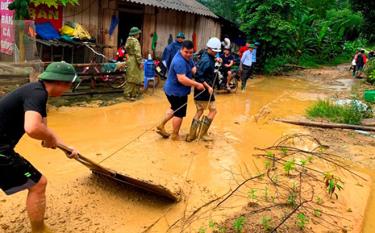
221	79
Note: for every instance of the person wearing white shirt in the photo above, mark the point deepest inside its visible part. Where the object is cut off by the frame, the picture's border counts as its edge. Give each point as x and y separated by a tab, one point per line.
246	62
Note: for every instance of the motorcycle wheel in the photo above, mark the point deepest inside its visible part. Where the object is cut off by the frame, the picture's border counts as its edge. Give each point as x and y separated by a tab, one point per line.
117	81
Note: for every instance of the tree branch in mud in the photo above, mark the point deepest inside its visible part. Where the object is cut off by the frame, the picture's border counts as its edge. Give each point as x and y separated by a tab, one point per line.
327	125
281	196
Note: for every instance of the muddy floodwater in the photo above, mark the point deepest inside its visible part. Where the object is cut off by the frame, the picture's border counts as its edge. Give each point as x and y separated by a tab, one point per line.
122	137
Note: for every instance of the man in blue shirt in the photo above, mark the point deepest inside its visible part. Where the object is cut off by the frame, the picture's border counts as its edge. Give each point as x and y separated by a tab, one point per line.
246	63
177	88
171	50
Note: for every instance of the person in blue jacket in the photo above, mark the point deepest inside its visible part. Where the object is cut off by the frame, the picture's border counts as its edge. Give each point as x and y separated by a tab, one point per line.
171	50
205	99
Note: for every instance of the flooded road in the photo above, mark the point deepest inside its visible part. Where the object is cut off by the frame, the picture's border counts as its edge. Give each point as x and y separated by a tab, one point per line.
122	137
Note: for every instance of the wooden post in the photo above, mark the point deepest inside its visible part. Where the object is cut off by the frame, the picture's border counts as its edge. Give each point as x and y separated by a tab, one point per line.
21	44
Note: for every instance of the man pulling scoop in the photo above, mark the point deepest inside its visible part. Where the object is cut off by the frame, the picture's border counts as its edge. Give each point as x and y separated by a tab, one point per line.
24	111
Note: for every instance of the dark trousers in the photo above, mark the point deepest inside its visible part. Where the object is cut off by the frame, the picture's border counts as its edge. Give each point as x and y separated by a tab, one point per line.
246	74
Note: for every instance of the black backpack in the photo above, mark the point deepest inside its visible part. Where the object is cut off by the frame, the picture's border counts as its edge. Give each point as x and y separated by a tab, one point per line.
360	60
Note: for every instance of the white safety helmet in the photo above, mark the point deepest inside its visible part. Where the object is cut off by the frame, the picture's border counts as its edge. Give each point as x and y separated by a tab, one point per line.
214	44
226	43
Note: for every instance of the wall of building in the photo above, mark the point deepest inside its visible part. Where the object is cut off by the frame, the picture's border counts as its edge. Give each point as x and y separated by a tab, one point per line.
96	15
169	22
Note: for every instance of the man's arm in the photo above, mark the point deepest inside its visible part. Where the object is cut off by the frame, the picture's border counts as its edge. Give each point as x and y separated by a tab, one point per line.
36	127
208	87
231	63
188	82
194	70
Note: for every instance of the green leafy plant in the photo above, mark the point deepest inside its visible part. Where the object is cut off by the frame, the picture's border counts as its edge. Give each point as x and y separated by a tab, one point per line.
221	229
270	154
202	230
319	201
289	166
252	195
302	220
267	164
212	224
292	198
239	223
266	222
215	227
370	71
275	179
317	212
284	150
266	194
333	184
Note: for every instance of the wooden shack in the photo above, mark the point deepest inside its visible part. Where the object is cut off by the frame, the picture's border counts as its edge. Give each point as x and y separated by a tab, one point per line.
165	17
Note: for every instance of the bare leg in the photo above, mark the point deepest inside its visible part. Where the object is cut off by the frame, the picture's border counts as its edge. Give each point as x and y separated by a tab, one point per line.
211	114
198	115
36	206
161	128
229	78
176	122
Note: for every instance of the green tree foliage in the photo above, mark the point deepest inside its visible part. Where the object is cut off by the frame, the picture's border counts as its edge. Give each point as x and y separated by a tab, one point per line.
54	3
292	30
299	31
367	8
224	8
21	7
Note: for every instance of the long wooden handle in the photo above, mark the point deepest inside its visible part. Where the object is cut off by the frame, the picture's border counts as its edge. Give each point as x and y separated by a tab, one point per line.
85	161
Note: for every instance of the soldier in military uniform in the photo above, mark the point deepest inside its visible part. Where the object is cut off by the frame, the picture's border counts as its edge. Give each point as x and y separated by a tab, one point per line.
24	111
135	65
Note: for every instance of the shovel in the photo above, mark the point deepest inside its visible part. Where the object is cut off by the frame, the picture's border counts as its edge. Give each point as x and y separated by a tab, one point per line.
137	183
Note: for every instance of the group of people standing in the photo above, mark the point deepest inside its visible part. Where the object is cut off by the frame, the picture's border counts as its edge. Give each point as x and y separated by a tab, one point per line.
248	56
359	61
178	87
178	58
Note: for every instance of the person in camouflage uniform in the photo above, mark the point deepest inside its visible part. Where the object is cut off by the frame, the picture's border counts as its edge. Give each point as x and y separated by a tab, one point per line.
134	64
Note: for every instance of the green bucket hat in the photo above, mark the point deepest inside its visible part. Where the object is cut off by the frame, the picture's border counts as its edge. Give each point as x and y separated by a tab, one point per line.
252	46
134	31
60	71
180	35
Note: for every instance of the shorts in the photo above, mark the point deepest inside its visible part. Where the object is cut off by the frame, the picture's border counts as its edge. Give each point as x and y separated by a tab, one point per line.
178	105
202	105
16	173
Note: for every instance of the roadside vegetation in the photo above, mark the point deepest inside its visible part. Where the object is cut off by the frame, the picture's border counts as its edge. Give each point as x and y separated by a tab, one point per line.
346	114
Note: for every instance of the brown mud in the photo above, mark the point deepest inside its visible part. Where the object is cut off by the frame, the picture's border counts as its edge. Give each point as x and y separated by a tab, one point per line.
123	136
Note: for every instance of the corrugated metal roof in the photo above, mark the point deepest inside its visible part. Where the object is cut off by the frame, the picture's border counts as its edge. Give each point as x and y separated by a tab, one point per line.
190	6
